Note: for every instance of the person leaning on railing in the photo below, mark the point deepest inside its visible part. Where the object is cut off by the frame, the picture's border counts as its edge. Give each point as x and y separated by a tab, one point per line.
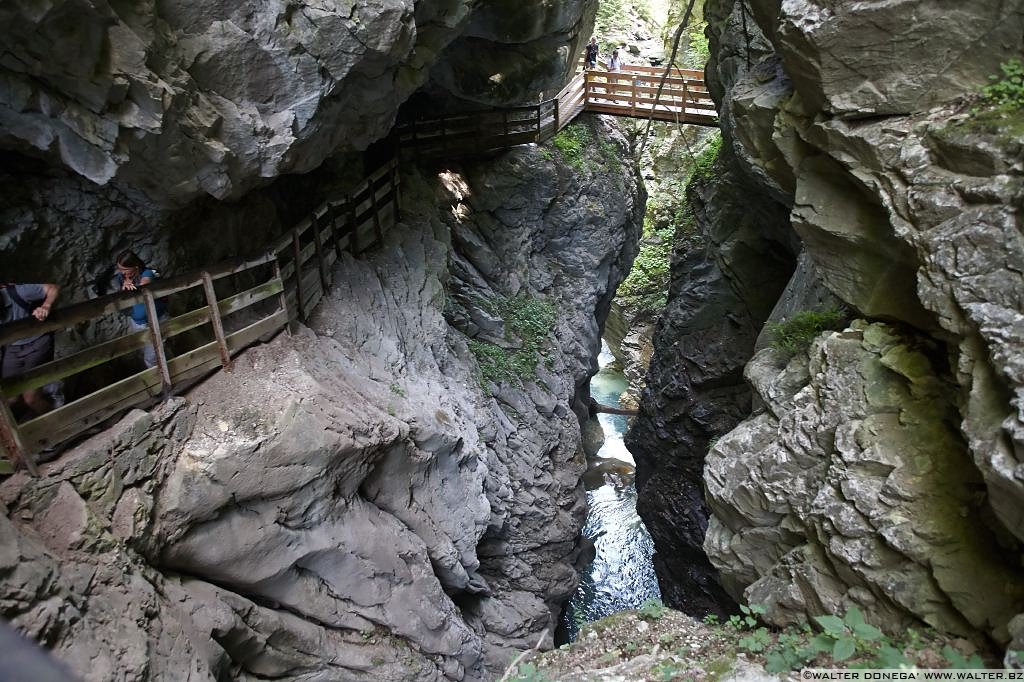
131	274
21	301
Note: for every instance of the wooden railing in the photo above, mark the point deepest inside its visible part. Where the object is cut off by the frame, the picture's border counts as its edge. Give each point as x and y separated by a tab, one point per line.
632	92
229	307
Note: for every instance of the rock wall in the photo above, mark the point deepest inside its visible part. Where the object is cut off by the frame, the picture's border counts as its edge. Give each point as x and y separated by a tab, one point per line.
907	210
190	132
353	500
728	268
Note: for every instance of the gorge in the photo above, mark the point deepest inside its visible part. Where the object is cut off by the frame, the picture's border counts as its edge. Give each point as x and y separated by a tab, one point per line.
394	489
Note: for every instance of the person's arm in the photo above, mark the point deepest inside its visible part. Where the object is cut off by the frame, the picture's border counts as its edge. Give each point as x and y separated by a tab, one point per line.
42	311
146	277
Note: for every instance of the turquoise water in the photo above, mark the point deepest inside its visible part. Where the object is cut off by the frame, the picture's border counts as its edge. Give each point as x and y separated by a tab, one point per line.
621	575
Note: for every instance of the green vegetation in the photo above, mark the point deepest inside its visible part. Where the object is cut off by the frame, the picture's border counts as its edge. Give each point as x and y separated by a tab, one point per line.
704	163
697	49
652	609
527	320
667	220
998	110
6	467
397	390
848	640
570	142
794	335
1007	91
573	141
527	672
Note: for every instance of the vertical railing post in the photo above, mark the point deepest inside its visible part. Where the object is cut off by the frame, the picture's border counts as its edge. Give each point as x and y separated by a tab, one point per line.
353	232
10	438
325	278
376	212
586	89
395	214
282	298
157	339
334	232
297	256
215	320
685	100
557	122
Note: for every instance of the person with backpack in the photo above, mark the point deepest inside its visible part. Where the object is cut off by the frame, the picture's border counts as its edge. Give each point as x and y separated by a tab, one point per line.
21	301
132	273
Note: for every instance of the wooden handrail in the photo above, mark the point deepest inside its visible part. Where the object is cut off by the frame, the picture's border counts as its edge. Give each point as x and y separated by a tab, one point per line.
371	202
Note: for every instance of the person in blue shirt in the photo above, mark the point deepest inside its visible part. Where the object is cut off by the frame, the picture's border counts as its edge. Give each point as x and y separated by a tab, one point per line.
18	302
132	273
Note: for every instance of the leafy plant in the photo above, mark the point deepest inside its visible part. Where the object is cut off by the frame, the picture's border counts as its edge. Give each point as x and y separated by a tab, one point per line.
528	672
666	670
397	390
794	335
1007	91
711	619
958	661
747	618
757	641
652	609
846	633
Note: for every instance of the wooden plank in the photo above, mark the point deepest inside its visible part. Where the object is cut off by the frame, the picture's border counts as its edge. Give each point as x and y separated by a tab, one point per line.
297	262
157	341
215	321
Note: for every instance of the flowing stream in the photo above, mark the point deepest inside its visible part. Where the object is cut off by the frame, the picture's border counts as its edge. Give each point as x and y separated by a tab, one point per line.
621	575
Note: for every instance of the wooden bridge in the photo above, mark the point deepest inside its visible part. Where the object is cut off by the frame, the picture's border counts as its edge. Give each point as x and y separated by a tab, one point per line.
632	92
239	302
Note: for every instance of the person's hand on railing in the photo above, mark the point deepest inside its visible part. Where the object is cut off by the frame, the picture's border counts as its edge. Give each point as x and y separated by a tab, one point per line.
128	285
41	313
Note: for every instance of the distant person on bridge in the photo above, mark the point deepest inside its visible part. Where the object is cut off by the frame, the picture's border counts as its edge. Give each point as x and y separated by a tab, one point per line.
132	273
615	63
590	62
19	302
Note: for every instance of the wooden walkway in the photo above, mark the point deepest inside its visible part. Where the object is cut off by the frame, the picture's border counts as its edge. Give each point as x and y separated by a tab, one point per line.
228	307
234	304
632	92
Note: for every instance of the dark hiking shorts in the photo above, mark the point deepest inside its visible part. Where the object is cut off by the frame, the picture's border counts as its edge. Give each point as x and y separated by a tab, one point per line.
20	359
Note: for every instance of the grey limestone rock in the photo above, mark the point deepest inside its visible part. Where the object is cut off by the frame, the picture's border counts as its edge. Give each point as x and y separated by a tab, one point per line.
854	487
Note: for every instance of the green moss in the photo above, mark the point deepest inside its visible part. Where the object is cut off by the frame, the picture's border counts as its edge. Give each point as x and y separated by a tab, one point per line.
704	163
571	142
528	321
794	335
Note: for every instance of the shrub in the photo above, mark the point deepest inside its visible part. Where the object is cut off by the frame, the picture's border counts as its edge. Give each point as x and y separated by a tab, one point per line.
1007	91
794	335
